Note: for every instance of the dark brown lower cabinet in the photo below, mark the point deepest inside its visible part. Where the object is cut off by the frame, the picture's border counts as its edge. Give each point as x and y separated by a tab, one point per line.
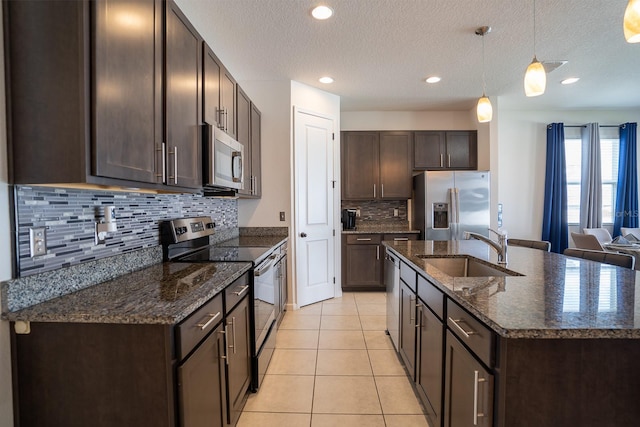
362	256
468	397
202	386
238	358
407	339
430	341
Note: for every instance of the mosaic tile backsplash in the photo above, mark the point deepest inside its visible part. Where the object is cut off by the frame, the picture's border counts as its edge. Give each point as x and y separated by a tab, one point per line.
378	210
69	216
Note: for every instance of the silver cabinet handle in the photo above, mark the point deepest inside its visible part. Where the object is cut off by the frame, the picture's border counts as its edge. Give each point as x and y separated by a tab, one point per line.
378	252
374	191
466	333
204	325
441	160
400	239
175	164
449	156
233	334
419	314
476	392
382	190
226	355
162	172
363	239
242	291
219	113
412	298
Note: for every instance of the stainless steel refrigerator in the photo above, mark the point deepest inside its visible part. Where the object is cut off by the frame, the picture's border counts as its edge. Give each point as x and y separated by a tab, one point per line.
448	203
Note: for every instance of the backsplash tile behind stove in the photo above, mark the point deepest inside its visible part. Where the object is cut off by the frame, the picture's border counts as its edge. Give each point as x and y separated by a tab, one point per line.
378	210
69	216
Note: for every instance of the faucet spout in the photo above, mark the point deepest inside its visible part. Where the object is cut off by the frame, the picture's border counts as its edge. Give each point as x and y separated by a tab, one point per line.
500	246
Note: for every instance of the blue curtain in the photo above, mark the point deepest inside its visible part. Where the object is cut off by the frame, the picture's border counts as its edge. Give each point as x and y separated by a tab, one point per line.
555	227
627	192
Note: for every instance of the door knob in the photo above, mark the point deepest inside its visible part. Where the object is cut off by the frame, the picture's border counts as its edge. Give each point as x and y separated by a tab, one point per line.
303	234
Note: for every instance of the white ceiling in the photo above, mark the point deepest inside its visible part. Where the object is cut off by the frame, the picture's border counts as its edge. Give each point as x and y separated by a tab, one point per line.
380	51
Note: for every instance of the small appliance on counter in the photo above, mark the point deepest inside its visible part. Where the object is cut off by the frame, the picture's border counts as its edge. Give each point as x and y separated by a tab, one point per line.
348	219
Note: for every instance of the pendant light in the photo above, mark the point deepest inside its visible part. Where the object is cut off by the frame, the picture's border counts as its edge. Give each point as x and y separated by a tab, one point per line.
484	110
631	22
535	79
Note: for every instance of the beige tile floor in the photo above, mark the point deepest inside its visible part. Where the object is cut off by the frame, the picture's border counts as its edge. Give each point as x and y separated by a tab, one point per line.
334	366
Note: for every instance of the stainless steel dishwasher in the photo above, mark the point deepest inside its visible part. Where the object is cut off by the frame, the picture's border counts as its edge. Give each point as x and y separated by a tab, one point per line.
392	283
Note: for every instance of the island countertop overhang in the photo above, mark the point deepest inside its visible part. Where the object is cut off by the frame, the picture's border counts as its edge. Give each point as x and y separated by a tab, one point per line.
556	296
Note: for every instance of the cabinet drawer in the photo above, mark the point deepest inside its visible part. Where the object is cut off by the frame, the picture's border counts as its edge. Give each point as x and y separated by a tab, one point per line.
364	239
400	237
473	333
236	291
194	328
431	295
408	275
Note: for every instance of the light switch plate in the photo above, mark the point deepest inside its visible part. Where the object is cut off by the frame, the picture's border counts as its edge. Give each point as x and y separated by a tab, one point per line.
281	216
37	241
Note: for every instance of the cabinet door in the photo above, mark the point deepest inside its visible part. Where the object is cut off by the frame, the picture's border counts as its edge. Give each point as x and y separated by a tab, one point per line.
183	100
228	102
256	153
429	361
128	91
212	69
202	385
238	357
360	165
429	150
243	132
407	345
468	397
395	165
364	266
462	150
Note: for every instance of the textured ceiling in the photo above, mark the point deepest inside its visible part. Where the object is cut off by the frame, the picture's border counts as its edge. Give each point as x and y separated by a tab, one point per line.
380	51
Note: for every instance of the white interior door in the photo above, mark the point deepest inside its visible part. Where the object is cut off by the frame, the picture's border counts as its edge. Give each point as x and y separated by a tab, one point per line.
314	206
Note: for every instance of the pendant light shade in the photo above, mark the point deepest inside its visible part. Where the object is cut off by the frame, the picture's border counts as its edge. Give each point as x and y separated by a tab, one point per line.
631	22
484	110
535	79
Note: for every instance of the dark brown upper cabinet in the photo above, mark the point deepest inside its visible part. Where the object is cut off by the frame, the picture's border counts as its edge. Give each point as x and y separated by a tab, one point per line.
219	94
249	134
376	165
85	94
441	150
183	100
256	151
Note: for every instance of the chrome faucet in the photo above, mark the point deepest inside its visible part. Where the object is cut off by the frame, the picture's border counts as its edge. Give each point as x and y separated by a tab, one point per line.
500	246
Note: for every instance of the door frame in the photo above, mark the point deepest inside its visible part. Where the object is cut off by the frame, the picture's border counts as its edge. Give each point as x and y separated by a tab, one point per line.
337	197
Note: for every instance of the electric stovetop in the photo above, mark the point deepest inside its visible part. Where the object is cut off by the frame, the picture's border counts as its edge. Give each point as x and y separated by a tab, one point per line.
229	254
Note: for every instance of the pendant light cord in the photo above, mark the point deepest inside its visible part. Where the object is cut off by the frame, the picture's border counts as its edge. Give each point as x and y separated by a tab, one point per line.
484	85
534	28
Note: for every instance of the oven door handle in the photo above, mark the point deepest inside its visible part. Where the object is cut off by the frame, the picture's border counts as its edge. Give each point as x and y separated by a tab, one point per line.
263	268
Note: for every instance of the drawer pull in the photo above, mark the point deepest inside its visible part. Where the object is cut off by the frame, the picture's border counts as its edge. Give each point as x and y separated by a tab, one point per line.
476	381
362	239
242	291
400	239
466	333
204	325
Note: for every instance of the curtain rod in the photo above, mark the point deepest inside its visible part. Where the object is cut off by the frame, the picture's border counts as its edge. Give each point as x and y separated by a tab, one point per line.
602	126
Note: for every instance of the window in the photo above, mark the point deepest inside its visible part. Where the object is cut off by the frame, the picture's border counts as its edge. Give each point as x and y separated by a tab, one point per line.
609	151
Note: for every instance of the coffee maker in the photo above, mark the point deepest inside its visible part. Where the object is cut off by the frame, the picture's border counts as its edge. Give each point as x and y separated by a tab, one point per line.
348	219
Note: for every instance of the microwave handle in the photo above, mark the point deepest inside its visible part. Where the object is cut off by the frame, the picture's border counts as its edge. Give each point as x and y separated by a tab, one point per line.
236	177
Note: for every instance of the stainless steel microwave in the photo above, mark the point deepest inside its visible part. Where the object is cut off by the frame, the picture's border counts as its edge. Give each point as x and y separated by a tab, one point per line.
224	159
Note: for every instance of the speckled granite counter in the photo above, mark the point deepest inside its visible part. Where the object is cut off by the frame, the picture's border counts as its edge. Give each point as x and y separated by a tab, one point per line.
161	294
261	241
381	227
557	297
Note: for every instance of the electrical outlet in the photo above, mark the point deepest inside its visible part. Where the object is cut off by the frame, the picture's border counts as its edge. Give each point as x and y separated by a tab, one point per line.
281	216
37	241
358	212
396	212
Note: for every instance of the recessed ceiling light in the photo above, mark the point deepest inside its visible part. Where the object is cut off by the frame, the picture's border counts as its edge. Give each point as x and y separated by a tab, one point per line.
433	79
570	80
326	80
322	12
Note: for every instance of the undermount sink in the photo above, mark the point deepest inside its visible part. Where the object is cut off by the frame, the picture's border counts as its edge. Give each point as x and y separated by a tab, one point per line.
465	266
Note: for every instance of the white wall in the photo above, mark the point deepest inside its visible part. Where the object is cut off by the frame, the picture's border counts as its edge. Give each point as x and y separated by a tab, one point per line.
521	161
6	405
273	99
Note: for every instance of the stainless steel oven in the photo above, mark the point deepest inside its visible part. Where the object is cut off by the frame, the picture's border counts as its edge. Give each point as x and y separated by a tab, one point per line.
187	240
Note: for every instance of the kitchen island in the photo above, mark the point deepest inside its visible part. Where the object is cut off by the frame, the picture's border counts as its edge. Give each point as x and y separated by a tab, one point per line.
546	341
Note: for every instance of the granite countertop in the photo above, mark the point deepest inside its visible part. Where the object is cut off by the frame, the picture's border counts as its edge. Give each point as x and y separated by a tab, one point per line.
248	241
381	227
556	296
164	293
